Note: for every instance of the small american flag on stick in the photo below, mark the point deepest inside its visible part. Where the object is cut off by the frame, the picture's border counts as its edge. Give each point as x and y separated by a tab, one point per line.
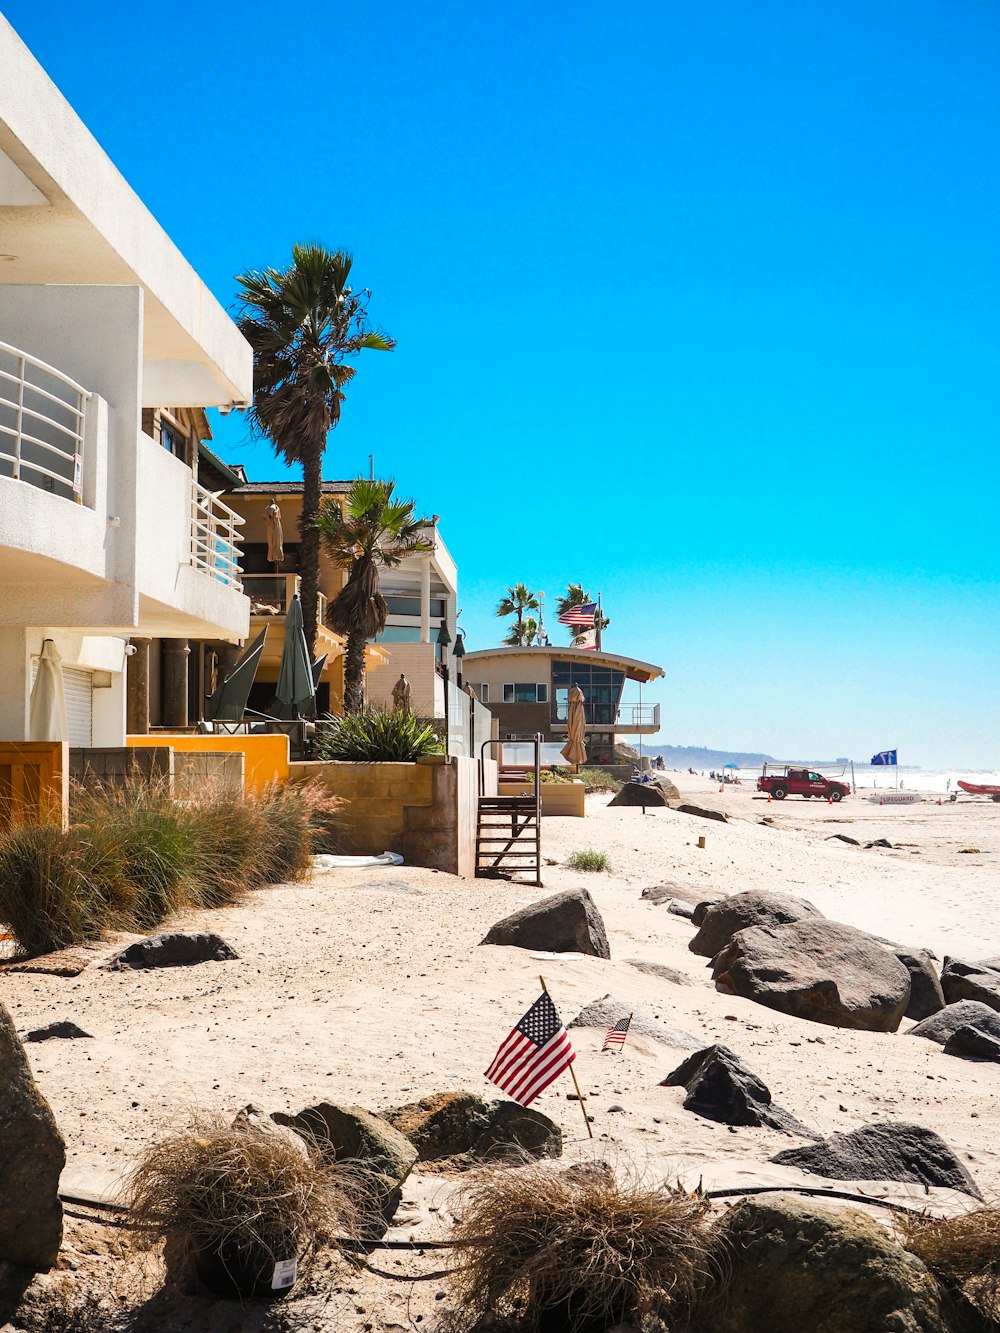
536	1052
616	1035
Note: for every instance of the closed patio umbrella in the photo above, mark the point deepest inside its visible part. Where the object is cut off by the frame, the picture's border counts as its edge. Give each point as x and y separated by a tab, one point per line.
295	677
47	716
575	749
274	534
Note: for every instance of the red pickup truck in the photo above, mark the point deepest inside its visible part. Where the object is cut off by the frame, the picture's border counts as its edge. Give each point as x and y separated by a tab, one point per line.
788	781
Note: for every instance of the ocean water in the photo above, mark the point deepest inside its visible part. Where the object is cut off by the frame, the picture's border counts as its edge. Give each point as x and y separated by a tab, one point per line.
868	778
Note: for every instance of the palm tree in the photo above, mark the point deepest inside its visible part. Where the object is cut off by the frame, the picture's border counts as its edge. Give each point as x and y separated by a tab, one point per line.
575	596
302	322
517	600
523	637
373	531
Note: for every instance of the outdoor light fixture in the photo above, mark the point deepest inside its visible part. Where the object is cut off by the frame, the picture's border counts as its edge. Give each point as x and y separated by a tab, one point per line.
458	652
444	638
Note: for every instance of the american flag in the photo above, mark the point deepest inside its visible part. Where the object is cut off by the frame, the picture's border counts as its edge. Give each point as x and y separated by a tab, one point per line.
616	1035
581	616
536	1052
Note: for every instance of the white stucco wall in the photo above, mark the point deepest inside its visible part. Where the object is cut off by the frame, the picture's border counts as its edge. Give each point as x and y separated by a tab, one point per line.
19	644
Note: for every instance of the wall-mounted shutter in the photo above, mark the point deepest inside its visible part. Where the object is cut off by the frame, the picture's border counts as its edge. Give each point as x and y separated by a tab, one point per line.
78	687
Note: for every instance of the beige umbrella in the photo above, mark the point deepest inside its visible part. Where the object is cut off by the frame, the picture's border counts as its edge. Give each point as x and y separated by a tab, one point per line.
275	537
47	715
575	750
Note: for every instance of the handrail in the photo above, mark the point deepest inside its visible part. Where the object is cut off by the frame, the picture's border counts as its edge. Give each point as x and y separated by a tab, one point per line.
44	365
214	539
536	741
44	450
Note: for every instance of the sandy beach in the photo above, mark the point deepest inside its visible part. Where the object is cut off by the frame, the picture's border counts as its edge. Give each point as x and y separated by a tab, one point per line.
371	987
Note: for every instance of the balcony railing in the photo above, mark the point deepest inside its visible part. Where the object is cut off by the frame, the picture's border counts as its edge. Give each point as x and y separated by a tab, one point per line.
214	539
638	715
271	594
41	424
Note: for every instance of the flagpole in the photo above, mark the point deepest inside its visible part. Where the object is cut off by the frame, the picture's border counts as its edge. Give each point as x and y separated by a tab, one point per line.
579	1094
597	638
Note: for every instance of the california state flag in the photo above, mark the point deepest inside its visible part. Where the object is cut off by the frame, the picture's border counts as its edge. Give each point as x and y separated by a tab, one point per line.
588	640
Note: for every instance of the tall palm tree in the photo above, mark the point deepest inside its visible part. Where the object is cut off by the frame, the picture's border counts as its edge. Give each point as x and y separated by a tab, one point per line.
373	531
523	637
576	596
515	602
302	323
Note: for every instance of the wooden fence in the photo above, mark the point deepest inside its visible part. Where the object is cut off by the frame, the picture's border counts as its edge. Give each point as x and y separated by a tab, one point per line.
34	782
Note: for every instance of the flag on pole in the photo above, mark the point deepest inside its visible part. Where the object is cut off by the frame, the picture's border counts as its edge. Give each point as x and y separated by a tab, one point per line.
884	757
536	1052
580	616
616	1035
588	640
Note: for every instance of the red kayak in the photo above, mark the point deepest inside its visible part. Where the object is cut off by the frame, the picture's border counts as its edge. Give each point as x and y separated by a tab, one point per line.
981	789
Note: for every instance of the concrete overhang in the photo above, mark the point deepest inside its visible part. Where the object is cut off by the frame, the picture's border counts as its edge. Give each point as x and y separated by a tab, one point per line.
67	216
634	669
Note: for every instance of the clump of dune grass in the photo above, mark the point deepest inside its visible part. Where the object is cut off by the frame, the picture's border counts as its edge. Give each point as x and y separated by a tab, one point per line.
134	856
228	1202
587	860
580	1249
596	779
962	1252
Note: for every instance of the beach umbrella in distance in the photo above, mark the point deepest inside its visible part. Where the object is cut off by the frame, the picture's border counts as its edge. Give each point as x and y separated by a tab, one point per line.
575	749
295	678
47	716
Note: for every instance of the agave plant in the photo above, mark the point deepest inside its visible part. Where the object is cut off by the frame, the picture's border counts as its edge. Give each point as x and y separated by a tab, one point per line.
374	735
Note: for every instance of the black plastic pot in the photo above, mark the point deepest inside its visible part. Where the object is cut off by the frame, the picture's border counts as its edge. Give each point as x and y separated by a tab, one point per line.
244	1271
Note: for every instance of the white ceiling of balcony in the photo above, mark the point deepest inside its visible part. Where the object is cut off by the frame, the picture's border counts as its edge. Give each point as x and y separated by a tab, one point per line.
68	216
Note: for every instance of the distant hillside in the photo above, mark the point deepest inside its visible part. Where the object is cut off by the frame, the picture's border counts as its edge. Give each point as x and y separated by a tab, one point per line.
700	758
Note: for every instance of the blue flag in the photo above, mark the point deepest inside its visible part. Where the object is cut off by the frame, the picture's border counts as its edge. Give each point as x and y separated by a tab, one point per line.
884	757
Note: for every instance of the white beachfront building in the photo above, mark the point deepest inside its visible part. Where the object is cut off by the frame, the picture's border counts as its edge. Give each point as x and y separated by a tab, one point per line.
109	342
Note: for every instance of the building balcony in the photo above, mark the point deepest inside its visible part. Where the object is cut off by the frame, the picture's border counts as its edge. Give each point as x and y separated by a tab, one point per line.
633	719
271	595
100	528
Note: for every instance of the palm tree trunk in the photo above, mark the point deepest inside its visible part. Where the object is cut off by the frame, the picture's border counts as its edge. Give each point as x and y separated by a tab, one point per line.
312	479
354	672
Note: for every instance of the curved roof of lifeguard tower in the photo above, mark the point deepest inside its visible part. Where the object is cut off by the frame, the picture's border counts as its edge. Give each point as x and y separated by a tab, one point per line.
634	669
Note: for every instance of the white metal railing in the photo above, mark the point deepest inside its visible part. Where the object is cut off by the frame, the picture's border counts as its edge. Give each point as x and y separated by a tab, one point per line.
214	539
638	715
41	424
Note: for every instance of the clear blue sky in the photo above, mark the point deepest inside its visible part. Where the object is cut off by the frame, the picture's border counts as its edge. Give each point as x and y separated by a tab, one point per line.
696	303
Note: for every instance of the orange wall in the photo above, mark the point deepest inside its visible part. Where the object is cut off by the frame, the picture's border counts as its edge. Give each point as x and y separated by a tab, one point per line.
265	757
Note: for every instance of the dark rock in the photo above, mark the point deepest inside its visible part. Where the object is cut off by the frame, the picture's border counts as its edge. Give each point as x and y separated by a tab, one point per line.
682	893
660	970
460	1124
793	1265
606	1011
65	1029
352	1134
720	1087
702	812
641	793
940	1026
681	909
843	837
720	921
884	1152
970	1040
878	842
32	1156
566	922
970	981
926	996
171	949
816	969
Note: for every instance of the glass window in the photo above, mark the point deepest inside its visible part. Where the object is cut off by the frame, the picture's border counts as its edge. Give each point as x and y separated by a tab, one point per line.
482	692
526	693
399	634
542	693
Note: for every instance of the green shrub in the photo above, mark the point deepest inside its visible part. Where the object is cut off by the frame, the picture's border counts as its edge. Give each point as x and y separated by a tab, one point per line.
375	736
587	860
596	779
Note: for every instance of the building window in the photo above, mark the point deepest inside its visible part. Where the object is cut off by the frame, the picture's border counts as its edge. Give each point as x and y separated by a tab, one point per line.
602	690
482	692
532	693
400	604
398	634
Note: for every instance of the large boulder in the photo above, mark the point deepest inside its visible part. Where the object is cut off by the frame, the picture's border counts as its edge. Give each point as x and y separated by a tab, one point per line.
970	981
926	995
702	812
816	969
384	1157
793	1264
566	922
884	1152
647	794
32	1156
718	922
964	1013
720	1087
172	949
973	1042
458	1124
603	1013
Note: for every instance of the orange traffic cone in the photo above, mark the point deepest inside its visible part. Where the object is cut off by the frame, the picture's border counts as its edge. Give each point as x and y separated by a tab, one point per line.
829	800
721	790
769	798
881	800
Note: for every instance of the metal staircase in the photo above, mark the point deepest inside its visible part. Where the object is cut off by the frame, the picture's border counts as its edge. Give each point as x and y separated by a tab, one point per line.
509	829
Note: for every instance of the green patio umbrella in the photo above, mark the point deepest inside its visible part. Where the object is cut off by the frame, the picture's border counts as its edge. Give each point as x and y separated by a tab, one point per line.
295	678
